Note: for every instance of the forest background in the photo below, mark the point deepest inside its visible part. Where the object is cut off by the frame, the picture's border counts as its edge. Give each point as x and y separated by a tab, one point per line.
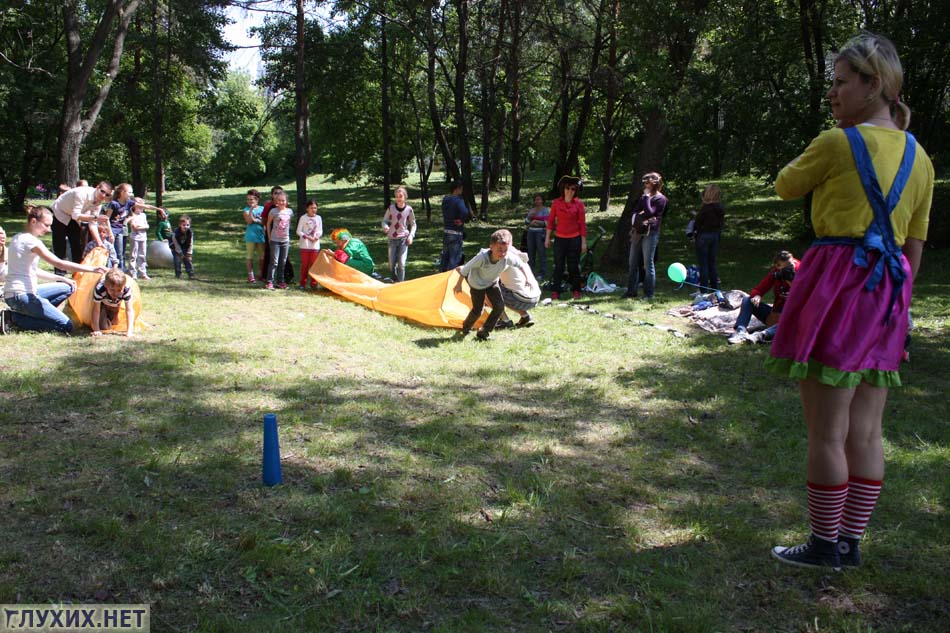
482	91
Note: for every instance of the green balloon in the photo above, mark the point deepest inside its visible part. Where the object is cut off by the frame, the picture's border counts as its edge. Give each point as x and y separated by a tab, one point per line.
677	272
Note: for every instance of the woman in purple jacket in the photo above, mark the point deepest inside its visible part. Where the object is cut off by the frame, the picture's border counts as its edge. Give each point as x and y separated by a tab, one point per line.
645	234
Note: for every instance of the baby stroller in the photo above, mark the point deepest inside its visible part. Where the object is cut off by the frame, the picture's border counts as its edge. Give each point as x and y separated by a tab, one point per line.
586	262
587	259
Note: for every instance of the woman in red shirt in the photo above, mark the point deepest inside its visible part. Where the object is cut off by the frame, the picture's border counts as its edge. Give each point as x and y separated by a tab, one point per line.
569	223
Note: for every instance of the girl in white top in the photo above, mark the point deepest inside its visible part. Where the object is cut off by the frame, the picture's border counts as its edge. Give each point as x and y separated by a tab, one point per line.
399	224
310	230
138	229
32	306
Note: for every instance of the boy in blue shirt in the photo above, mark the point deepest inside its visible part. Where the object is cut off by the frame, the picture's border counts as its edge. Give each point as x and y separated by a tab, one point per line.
454	214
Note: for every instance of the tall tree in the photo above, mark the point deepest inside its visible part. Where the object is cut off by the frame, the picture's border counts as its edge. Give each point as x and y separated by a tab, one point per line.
161	67
31	84
77	121
463	142
513	71
384	90
491	21
609	127
670	56
301	108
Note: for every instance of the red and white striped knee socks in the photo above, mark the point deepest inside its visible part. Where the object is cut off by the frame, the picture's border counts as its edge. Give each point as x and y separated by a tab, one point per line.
825	504
844	508
862	497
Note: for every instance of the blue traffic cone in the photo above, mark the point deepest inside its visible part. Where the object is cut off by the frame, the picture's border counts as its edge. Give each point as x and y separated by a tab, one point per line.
271	471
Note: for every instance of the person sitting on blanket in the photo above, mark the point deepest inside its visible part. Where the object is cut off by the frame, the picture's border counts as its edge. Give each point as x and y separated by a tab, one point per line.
779	279
352	252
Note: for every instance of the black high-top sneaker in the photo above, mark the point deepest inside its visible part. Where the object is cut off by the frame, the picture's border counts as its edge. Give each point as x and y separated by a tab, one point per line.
814	552
848	551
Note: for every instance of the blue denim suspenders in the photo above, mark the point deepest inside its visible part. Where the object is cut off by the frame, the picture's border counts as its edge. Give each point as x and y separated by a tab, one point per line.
880	233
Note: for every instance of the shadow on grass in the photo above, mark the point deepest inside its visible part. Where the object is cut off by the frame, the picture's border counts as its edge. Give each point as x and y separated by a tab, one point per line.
468	495
470	500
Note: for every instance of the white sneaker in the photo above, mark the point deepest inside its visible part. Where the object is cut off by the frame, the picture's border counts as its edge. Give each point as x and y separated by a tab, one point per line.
739	337
759	337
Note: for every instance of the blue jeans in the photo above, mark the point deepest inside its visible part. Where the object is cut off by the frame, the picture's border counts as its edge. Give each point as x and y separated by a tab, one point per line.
118	240
178	258
451	251
761	312
642	249
398	251
278	259
707	249
537	254
38	312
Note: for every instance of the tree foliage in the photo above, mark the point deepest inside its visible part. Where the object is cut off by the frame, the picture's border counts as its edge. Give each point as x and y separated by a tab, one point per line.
484	90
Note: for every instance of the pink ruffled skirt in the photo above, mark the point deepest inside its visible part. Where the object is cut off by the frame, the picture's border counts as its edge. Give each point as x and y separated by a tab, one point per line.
835	330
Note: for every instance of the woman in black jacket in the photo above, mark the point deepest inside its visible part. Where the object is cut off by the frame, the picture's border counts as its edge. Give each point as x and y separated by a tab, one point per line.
707	231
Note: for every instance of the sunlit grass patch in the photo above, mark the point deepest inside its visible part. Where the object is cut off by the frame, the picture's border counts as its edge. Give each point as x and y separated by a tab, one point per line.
586	474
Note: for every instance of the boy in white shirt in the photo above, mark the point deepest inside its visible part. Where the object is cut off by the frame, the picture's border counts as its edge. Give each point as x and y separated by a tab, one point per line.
482	273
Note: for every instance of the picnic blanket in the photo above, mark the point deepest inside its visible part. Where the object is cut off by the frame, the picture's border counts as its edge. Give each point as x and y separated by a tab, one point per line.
429	300
716	318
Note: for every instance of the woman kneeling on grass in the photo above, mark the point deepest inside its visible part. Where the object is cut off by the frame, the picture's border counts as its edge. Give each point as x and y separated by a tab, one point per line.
32	306
845	320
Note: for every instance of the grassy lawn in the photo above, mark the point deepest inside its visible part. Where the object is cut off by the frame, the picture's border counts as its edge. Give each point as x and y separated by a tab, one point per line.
588	474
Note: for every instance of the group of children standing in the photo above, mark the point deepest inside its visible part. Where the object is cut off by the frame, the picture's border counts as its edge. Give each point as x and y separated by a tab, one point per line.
267	239
128	224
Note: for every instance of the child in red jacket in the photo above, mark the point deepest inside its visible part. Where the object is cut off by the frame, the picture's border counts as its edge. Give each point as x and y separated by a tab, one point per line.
779	280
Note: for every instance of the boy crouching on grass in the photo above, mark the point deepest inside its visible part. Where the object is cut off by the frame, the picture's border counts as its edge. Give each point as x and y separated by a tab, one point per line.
482	273
183	245
108	295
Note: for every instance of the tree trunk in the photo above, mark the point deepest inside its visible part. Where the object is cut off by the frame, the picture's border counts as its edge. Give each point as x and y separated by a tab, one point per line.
302	113
564	68
649	159
160	90
386	118
572	164
16	194
461	122
653	149
75	127
812	29
717	140
425	170
498	150
486	145
134	147
811	23
451	169
514	98
613	91
491	132
423	161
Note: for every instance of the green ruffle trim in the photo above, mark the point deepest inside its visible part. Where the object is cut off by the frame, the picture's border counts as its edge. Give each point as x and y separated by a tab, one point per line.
789	368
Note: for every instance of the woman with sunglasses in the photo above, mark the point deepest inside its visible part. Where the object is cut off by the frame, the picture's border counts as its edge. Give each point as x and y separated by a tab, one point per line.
569	223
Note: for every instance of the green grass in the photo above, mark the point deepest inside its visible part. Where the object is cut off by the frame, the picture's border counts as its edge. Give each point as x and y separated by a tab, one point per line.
588	474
